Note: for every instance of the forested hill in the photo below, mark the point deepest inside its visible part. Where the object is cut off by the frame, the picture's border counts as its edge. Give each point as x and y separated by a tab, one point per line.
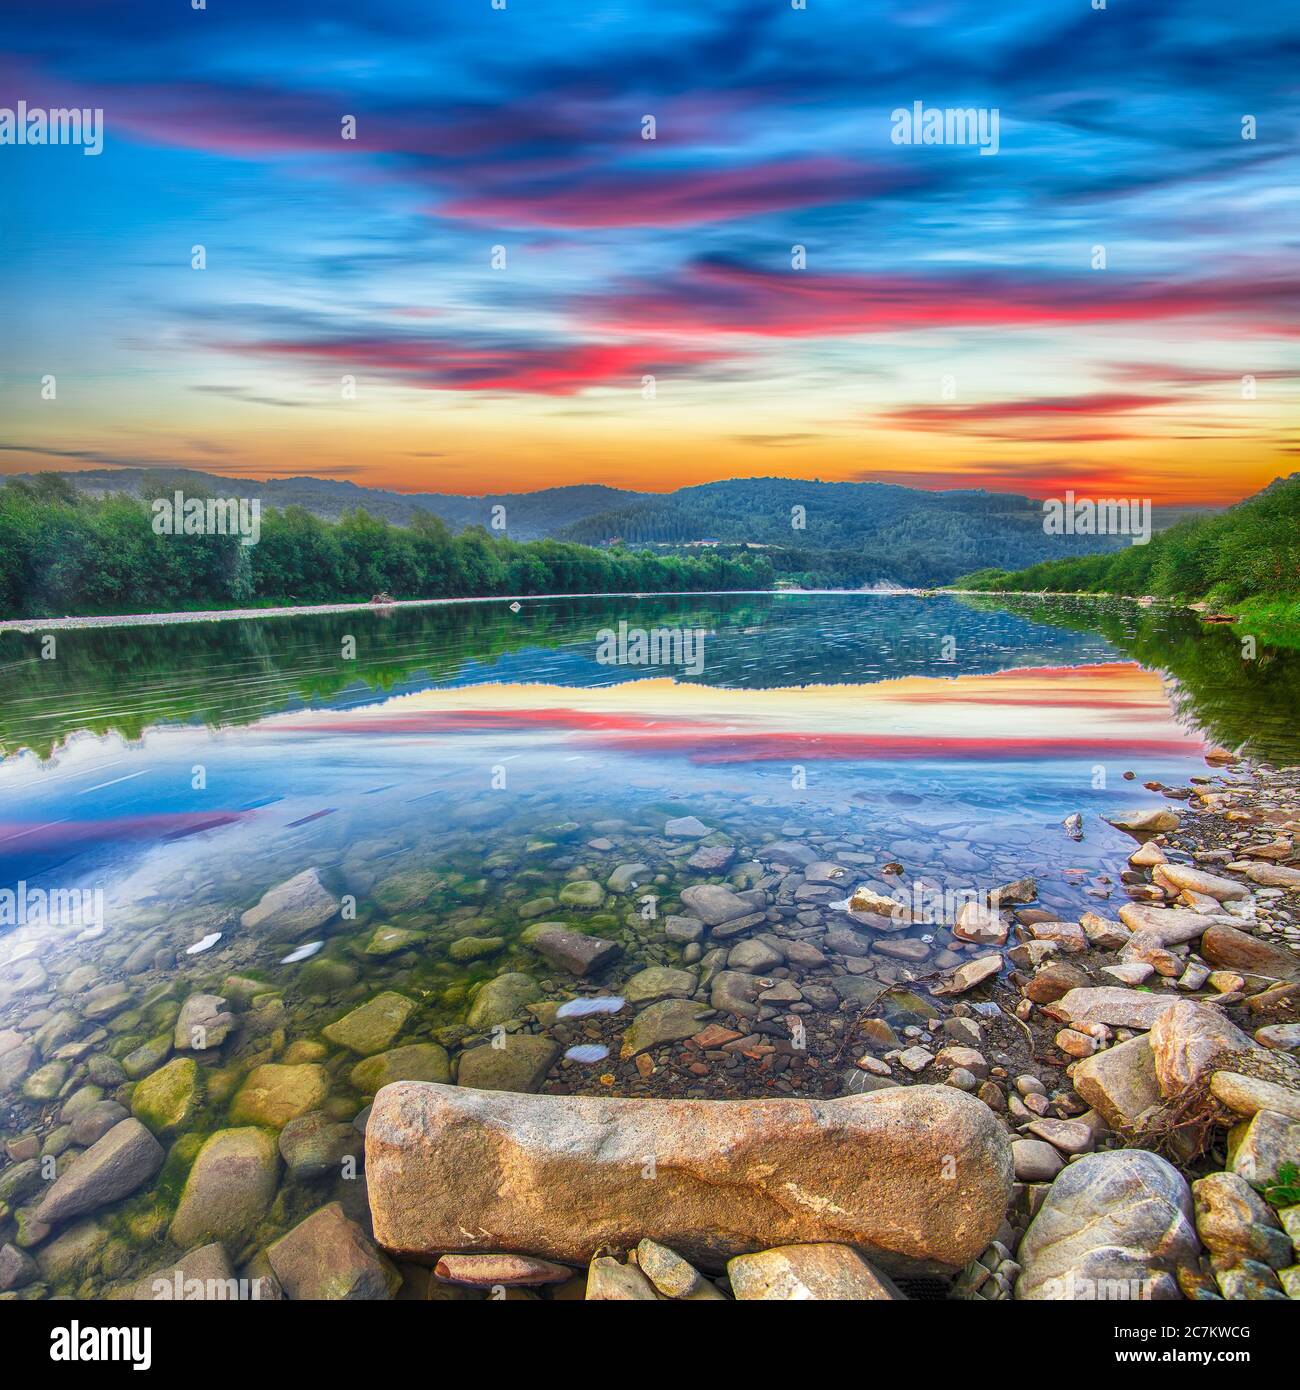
911	536
823	534
1248	552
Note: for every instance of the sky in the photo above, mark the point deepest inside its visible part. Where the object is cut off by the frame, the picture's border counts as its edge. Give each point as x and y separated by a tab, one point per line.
501	284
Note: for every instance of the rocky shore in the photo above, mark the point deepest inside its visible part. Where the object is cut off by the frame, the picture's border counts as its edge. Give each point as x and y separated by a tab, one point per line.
722	1065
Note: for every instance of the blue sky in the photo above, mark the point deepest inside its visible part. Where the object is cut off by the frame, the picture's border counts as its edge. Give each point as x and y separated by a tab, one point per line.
949	326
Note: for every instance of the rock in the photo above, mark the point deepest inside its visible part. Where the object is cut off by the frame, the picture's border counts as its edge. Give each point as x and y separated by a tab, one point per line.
95	1121
1069	1136
686	828
611	1282
1183	878
1262	1147
1249	1280
711	859
1132	973
754	957
45	1082
290	910
72	1253
14	1065
418	1062
734	992
166	1100
1113	1225
1273	876
1035	1161
737	925
1102	933
487	1271
1121	1008
372	1027
1282	1036
229	1187
713	904
626	877
329	1257
17	1269
273	1094
1185	1041
967	976
468	948
1168	926
1055	979
788	852
1248	1095
583	893
389	941
799	1273
683	929
1067	936
1120	1083
520	1063
203	1023
976	922
124	1159
313	1145
671	1275
1231	949
658	982
200	1275
1236	1224
668	1021
562	1177
1023	890
1142	824
574	952
147	1057
105	1001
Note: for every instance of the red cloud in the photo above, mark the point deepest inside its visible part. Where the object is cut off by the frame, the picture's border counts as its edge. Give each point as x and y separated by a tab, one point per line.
438	364
1029	419
720	297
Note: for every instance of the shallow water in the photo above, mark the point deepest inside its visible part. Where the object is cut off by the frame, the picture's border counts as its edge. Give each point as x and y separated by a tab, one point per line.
457	773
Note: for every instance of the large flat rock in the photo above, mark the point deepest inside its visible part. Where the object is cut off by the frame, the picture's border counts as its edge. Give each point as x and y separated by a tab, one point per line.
917	1176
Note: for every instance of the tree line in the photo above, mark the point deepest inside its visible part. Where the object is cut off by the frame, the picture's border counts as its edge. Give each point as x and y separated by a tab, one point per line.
1250	551
64	553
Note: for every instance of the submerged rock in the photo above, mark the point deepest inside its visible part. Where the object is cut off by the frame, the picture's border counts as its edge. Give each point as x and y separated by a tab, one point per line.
668	1021
451	1169
229	1187
166	1099
329	1257
373	1025
418	1062
573	951
274	1094
501	999
293	908
124	1159
514	1062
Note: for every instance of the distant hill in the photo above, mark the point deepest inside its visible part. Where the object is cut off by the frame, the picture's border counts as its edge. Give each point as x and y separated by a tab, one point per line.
530	515
850	533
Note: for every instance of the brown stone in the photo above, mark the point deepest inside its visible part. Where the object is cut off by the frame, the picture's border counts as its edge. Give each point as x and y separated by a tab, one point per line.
920	1175
1231	949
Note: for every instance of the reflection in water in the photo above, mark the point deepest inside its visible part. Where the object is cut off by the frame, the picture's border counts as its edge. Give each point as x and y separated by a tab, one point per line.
475	773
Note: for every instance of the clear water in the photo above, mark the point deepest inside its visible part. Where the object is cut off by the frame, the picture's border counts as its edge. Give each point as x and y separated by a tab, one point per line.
452	769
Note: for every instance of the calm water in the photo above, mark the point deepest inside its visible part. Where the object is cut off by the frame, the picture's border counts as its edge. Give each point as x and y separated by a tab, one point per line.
456	771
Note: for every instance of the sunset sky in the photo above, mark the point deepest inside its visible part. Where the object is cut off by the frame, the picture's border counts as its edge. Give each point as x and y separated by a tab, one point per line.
522	128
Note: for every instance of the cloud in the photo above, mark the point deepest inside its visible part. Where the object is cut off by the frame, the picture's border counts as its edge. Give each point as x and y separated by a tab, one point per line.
559	369
718	296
